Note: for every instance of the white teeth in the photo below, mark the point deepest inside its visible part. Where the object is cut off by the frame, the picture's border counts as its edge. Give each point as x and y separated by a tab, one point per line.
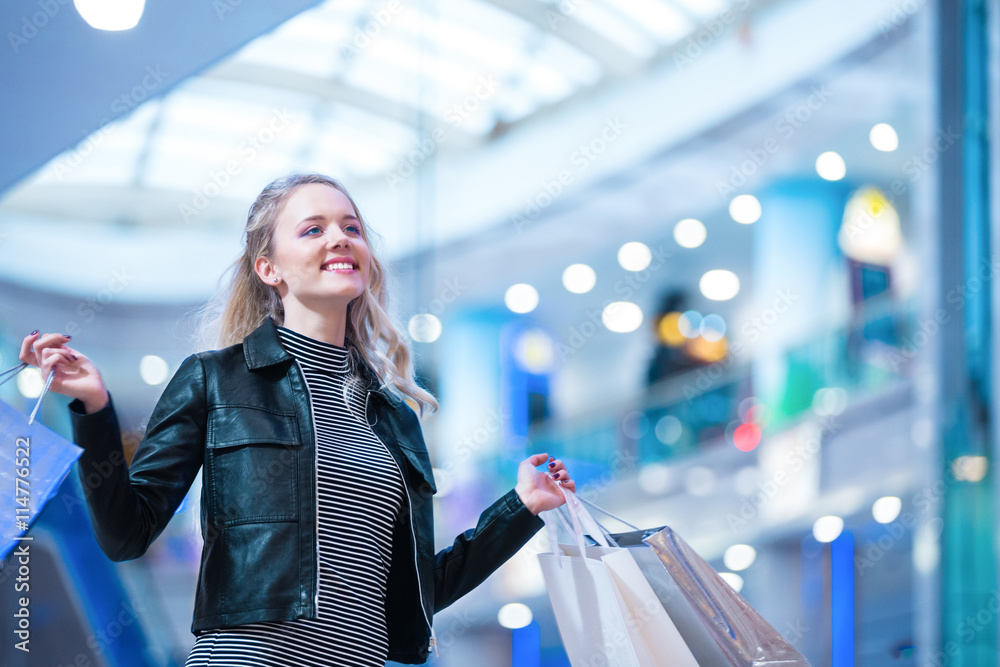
338	265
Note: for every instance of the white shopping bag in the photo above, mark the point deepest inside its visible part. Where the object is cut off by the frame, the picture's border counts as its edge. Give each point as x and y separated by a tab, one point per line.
606	611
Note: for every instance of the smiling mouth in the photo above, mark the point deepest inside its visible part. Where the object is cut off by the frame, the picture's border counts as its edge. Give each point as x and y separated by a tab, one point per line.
338	266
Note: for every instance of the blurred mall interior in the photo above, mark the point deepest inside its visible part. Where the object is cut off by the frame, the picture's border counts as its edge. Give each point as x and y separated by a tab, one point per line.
731	260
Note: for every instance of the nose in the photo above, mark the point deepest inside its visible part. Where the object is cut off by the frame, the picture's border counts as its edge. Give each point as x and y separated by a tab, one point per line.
336	237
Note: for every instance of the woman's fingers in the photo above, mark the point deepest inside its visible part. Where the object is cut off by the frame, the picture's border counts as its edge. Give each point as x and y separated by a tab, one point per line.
33	345
27	354
55	356
537	459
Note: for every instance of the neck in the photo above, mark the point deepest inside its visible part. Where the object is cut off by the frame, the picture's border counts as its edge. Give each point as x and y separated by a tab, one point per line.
329	327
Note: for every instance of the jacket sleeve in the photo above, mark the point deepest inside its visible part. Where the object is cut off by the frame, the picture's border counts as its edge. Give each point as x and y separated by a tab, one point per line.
503	528
130	505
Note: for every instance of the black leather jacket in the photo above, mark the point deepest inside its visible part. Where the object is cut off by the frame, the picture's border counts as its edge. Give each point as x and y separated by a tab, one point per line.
244	413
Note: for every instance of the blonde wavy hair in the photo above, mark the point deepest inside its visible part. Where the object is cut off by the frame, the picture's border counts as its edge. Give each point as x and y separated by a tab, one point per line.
248	301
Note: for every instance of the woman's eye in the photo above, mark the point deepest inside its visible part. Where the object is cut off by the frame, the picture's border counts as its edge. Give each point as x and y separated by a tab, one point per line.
311	229
353	227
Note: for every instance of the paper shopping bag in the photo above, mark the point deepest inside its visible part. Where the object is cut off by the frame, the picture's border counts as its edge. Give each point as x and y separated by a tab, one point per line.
34	460
730	633
607	613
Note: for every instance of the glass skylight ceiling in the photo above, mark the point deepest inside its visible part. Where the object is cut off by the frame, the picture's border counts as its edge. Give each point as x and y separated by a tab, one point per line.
361	79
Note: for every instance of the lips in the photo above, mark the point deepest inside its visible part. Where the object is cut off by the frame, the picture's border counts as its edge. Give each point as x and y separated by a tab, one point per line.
346	260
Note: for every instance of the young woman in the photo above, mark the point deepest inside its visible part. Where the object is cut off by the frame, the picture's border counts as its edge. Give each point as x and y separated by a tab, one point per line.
316	501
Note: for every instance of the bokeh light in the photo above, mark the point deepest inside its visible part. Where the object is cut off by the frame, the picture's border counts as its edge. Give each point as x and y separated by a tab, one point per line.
745	209
830	166
579	278
515	615
689	324
669	331
719	285
746	437
153	369
828	528
424	328
634	256
668	429
521	298
739	557
690	233
734	580
884	138
886	509
712	328
621	316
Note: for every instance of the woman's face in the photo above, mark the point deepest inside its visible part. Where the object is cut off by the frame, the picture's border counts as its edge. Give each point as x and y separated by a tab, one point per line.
316	231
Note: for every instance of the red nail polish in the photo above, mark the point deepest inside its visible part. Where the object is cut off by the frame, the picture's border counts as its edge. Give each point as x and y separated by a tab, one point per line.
555	475
33	332
552	465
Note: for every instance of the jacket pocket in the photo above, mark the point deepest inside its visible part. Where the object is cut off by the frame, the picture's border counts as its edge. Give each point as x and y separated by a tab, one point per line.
252	461
410	439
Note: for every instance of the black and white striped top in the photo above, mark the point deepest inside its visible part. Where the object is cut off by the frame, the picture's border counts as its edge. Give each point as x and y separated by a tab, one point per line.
360	496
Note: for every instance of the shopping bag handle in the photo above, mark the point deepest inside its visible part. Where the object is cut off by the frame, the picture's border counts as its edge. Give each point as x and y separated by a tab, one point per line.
604	511
580	521
13	371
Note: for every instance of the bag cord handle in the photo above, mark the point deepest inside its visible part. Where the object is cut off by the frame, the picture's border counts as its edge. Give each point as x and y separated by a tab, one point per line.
604	511
13	371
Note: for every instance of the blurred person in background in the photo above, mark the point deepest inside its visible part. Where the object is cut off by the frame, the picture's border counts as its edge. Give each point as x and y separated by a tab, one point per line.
317	485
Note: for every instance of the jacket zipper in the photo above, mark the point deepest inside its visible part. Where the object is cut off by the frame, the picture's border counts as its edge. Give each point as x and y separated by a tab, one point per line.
413	532
315	483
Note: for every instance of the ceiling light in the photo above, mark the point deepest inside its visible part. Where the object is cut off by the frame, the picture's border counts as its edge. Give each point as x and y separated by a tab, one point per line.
111	14
719	285
634	256
828	528
690	233
885	510
739	557
745	209
622	316
579	278
884	138
521	298
830	166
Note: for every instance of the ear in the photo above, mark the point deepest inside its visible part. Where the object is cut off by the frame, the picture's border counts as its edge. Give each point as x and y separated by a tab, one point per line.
266	270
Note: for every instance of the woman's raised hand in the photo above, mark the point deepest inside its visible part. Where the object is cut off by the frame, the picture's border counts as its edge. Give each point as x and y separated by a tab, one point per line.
540	490
75	375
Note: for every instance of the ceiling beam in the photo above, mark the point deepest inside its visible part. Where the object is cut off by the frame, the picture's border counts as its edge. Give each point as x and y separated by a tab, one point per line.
339	92
616	60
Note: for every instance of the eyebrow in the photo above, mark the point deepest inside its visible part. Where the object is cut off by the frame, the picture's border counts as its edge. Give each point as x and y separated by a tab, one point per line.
319	218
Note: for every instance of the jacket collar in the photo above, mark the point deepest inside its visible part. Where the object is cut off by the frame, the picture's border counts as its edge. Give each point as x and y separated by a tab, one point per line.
262	348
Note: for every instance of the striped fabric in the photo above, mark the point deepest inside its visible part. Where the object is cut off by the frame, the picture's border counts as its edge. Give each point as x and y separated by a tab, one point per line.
360	497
